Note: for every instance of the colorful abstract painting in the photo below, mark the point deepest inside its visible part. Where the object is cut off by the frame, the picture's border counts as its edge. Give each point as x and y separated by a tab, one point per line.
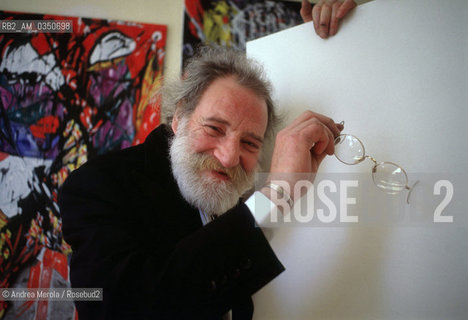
64	98
232	23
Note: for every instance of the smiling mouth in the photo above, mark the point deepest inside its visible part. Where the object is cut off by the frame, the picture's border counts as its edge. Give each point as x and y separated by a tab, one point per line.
220	175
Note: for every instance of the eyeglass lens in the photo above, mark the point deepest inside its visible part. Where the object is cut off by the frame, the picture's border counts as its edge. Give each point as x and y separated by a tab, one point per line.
349	149
390	177
386	175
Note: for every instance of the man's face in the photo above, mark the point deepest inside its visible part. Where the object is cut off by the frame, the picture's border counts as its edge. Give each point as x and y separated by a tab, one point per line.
218	146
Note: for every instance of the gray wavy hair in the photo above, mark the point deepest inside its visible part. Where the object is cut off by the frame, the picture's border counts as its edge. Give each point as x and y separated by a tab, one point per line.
211	63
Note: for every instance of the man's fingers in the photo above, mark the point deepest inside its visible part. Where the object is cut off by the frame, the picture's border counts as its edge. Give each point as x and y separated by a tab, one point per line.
340	126
347	6
315	135
330	150
316	17
325	143
325	17
305	117
306	11
302	145
334	127
334	19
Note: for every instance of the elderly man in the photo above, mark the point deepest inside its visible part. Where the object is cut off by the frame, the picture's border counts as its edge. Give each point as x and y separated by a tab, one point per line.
162	227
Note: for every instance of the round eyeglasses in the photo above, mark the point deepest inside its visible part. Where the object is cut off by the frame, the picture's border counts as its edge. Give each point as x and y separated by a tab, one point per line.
387	176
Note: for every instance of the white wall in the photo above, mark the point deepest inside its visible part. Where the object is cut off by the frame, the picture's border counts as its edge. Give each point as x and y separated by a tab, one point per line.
397	74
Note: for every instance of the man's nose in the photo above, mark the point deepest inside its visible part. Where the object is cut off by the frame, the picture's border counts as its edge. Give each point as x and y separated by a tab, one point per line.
228	153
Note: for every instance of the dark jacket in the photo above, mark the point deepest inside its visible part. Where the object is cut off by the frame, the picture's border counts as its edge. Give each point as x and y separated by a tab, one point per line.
133	235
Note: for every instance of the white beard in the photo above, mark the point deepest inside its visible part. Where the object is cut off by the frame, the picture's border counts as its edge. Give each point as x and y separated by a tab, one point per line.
209	194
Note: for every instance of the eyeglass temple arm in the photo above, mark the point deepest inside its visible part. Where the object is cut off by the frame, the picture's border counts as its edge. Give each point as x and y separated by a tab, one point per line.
410	190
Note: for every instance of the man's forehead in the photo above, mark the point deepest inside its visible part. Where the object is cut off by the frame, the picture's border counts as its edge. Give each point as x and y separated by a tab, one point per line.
230	101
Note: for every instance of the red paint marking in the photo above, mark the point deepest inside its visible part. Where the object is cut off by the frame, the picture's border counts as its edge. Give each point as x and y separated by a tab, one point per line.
46	125
3	156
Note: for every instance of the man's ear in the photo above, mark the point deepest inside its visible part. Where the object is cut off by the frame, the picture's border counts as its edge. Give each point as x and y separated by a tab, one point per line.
175	121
